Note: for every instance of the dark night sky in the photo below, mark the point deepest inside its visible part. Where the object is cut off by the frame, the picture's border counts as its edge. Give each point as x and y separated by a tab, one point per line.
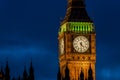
28	29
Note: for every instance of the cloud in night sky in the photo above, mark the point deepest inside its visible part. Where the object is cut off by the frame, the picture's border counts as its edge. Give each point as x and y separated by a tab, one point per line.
23	55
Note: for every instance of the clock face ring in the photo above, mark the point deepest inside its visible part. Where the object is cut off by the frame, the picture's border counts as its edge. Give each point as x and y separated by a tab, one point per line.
81	44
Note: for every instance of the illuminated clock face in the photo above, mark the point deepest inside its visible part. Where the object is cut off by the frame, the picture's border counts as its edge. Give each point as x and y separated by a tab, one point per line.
61	45
81	44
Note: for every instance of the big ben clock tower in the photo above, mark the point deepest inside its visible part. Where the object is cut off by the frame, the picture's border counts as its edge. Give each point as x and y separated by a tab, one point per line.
77	44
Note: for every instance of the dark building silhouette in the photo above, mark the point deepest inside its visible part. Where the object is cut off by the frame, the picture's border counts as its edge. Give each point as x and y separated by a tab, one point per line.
5	75
31	72
7	72
25	75
1	74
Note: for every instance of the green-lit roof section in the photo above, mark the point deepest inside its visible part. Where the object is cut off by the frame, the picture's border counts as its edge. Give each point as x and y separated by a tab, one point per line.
77	27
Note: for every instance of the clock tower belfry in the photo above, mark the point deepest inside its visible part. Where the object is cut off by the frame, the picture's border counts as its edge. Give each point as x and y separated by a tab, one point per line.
77	44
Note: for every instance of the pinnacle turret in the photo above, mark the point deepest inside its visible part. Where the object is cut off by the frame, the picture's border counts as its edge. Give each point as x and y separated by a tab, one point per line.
7	72
25	75
31	72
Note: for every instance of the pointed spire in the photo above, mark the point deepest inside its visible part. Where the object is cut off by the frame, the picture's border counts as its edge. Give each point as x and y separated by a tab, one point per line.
31	67
7	67
7	71
25	75
31	72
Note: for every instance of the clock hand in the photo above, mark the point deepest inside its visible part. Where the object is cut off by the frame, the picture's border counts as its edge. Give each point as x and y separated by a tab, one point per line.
81	44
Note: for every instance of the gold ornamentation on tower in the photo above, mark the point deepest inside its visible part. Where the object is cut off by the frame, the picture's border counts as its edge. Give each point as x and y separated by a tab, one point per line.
77	44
